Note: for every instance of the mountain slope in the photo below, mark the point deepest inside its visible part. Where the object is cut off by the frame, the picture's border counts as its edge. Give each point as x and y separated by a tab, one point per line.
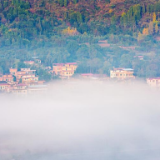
30	19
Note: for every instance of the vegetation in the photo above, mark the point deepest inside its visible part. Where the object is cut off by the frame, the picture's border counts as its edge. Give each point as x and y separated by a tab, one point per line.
73	30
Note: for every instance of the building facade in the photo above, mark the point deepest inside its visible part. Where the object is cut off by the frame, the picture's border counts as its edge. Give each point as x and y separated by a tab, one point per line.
122	73
64	70
153	82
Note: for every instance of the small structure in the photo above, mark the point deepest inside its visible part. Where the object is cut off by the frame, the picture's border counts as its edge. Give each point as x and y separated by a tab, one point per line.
64	70
122	73
38	61
103	43
29	62
139	57
154	82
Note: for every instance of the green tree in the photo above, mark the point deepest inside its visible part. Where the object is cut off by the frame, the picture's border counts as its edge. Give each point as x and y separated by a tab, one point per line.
65	3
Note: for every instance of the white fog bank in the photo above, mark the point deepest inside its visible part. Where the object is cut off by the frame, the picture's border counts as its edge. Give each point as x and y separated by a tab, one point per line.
82	120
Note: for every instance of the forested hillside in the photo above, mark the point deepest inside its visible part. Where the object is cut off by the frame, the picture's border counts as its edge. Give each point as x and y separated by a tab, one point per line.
72	30
32	18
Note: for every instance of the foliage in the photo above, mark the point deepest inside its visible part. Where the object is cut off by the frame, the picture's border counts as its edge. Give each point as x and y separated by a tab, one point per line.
70	31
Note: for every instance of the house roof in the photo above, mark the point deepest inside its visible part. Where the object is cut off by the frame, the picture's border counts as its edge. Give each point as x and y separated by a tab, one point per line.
156	78
72	63
123	69
3	82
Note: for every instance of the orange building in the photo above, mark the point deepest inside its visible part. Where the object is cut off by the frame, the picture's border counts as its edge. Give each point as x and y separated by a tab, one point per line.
64	70
13	71
4	86
28	71
122	73
7	78
153	82
28	79
23	72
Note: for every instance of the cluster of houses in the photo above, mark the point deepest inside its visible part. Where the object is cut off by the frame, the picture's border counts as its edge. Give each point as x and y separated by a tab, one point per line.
21	82
66	70
25	81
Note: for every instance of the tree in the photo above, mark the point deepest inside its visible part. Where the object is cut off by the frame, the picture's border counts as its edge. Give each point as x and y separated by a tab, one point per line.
75	1
82	52
65	3
150	29
154	17
107	1
20	80
61	2
140	37
156	28
14	78
79	17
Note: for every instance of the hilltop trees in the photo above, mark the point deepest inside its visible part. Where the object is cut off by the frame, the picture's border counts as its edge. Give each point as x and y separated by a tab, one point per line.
132	17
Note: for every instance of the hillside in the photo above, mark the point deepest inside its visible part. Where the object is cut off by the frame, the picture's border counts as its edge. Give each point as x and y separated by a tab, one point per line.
42	17
98	34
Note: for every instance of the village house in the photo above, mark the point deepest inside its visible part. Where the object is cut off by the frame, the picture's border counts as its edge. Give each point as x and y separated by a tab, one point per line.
29	79
153	82
122	73
13	71
4	86
19	89
64	70
28	71
7	78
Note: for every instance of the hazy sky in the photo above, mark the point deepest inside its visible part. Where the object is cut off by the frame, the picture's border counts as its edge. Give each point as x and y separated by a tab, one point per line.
82	120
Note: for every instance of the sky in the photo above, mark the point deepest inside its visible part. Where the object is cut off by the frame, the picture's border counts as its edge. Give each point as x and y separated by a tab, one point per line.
82	120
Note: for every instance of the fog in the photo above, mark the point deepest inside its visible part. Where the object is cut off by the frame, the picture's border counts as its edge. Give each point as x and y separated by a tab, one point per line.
82	120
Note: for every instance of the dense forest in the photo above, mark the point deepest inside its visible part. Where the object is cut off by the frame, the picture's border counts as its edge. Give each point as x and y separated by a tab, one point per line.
97	34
